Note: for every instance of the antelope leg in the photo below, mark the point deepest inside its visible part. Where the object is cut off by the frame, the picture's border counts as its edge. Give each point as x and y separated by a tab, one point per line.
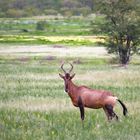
111	113
107	114
81	107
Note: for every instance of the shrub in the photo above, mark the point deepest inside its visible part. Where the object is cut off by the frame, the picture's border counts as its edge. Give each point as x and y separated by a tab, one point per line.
40	25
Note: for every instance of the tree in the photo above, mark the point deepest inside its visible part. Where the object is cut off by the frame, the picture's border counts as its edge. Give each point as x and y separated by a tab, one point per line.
122	22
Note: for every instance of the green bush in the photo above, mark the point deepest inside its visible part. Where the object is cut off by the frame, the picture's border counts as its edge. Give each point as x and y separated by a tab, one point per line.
40	25
50	12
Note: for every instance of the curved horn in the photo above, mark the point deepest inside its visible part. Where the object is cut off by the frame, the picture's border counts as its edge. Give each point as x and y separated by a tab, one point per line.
71	68
63	68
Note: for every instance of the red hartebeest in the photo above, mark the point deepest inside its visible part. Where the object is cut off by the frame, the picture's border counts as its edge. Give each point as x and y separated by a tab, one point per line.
82	96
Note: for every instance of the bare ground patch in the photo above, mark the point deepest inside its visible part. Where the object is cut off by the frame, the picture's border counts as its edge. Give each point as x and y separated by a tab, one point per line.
43	50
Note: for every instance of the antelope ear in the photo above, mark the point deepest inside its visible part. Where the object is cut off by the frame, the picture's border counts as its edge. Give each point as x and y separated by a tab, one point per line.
61	76
72	76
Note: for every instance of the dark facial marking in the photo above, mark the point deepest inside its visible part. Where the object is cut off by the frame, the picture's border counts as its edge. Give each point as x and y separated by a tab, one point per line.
67	75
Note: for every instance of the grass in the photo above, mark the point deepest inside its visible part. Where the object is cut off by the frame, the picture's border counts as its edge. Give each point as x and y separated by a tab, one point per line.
70	40
33	104
65	125
56	26
24	31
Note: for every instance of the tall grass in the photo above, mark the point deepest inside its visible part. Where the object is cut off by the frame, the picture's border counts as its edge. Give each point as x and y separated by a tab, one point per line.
33	104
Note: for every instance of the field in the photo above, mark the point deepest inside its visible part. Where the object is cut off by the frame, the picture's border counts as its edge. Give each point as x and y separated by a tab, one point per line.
52	30
51	26
33	104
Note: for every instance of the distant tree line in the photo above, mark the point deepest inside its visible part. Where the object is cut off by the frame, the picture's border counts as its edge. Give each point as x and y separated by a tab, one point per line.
26	8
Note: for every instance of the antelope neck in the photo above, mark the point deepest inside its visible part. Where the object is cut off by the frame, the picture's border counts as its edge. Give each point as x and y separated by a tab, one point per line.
72	89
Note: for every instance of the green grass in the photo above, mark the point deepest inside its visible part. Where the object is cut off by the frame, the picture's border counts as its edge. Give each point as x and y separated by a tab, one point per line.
65	125
21	39
64	26
34	106
23	31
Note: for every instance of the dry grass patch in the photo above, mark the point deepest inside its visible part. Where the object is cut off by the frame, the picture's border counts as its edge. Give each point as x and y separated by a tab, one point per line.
38	104
46	50
133	108
109	78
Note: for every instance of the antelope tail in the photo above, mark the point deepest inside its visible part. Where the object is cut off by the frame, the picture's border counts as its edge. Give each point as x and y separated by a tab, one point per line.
124	107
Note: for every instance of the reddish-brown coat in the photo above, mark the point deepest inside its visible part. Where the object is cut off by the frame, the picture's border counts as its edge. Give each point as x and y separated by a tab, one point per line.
91	98
82	96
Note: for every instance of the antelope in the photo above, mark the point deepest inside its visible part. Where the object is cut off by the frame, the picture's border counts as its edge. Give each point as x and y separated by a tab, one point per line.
82	96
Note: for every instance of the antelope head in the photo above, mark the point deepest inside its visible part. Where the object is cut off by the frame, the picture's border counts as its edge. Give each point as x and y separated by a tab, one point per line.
67	77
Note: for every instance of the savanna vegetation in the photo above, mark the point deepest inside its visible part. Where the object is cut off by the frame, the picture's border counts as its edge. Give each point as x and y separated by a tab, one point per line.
121	24
28	8
36	37
47	26
33	104
51	30
117	22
